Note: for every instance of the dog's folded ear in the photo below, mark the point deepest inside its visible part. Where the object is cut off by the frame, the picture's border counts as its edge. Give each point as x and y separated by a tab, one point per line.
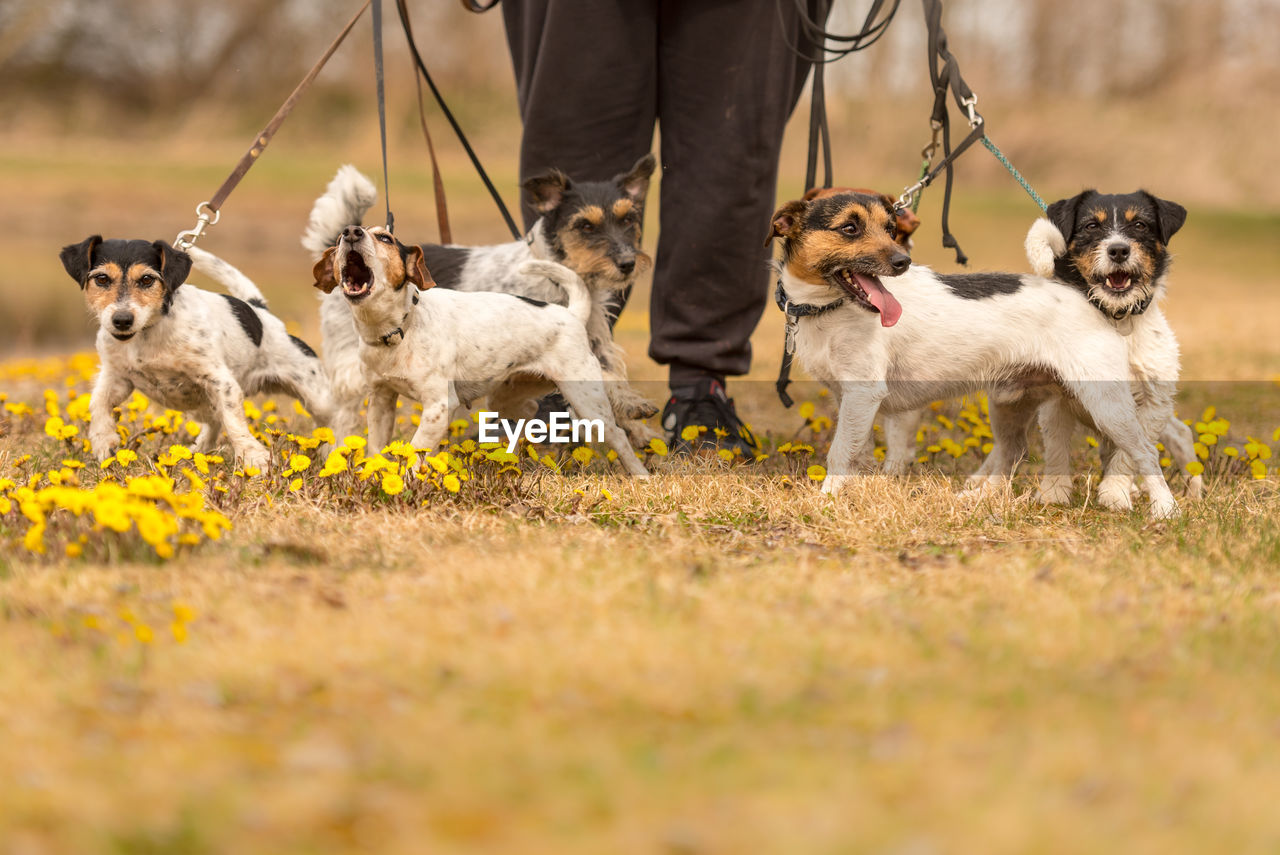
1169	215
547	190
786	220
77	258
323	271
1063	213
415	268
635	183
175	265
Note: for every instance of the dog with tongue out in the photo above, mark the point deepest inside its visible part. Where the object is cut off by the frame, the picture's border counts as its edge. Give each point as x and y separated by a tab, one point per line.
889	336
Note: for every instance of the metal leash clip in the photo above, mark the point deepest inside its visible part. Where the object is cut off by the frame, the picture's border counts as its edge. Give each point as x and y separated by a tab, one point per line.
206	215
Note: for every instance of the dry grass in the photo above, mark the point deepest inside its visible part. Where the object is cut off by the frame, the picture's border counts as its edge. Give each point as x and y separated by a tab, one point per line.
716	661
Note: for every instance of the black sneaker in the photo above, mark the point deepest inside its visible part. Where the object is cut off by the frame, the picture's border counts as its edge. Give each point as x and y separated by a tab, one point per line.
702	418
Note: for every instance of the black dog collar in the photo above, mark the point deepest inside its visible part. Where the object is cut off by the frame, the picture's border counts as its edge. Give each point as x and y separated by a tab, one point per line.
396	335
1121	314
793	312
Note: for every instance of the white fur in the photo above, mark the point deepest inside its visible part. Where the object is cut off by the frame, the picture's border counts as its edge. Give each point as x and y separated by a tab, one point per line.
933	352
454	347
198	358
1044	244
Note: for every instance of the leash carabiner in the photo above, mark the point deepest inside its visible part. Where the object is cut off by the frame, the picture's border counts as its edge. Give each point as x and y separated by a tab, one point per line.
206	215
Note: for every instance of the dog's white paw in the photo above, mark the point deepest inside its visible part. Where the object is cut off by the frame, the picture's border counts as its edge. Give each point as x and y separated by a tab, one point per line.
1164	509
105	447
1115	494
1055	490
832	483
255	457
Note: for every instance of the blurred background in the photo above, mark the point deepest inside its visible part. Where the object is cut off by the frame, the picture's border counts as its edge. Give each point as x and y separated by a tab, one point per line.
121	115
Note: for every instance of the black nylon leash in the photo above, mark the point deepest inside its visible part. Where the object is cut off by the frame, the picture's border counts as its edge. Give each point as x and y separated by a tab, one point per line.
402	7
793	313
382	109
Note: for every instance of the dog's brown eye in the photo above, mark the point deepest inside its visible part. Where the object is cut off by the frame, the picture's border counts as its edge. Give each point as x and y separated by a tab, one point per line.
852	229
1090	226
102	279
384	238
146	281
1140	226
586	226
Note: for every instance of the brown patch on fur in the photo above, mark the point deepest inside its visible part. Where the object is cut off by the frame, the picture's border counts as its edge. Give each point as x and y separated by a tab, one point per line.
152	295
1129	214
622	207
325	278
813	251
392	263
1100	215
593	214
97	297
585	259
905	223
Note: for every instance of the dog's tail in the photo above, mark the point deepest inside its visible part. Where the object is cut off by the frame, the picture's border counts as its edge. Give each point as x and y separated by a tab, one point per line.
344	203
236	283
571	283
1044	245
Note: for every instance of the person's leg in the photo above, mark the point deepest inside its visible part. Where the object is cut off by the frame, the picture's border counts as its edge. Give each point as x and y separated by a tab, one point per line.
727	84
586	81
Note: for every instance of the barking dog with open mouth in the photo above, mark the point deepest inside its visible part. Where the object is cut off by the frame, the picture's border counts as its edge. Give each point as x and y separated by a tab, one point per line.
185	348
1114	249
938	336
447	349
593	228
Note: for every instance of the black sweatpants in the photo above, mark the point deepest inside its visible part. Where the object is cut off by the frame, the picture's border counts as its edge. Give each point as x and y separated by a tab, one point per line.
719	79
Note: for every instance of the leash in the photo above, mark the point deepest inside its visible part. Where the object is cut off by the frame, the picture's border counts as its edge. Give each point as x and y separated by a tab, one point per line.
382	109
794	312
403	8
208	213
944	74
829	47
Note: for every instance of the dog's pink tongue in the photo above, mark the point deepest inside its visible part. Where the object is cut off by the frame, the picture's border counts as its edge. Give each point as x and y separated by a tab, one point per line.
890	308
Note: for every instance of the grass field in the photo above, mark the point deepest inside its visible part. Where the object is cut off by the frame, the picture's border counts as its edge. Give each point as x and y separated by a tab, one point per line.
720	660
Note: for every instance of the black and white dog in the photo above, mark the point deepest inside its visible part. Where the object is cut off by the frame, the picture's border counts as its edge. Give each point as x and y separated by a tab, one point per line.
1114	250
185	348
593	228
938	336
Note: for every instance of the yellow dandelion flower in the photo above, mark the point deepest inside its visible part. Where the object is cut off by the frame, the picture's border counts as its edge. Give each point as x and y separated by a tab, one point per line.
1209	412
1209	438
1264	452
295	485
299	462
1231	451
180	452
658	447
806	410
933	449
611	455
725	454
143	633
816	472
179	630
392	483
74	550
986	447
1258	469
879	453
1092	441
1195	467
354	442
1202	450
607	495
1166	462
820	423
1275	435
451	483
125	456
690	432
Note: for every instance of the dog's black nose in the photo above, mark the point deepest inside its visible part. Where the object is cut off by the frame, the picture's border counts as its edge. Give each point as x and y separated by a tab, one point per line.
1118	252
122	320
353	233
626	266
900	262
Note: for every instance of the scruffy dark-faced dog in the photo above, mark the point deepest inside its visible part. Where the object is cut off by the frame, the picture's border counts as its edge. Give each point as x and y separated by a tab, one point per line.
185	348
591	227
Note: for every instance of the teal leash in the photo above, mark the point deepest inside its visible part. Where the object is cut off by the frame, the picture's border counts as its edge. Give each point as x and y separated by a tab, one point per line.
1014	172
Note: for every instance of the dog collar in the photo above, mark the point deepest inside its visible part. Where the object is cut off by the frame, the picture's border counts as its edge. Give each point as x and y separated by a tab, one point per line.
1123	318
396	335
794	312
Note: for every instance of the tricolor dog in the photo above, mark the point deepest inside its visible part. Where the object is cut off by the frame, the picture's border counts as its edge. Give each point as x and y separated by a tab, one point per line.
1114	250
593	228
184	348
446	349
938	336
